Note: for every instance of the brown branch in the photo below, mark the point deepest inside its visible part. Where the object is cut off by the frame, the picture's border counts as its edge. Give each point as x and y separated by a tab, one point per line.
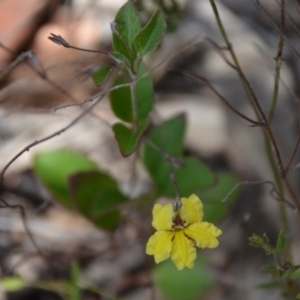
57	39
225	101
23	217
56	133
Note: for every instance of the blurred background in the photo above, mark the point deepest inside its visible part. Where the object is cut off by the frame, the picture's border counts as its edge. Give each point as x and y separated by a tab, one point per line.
34	83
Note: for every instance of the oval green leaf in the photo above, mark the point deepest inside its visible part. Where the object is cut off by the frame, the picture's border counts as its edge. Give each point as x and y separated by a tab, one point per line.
127	22
121	100
128	138
150	36
55	167
101	75
187	284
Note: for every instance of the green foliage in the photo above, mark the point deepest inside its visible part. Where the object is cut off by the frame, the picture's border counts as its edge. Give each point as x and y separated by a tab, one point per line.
12	283
262	242
187	284
101	75
214	209
128	23
121	99
55	167
96	195
280	242
128	138
194	175
149	37
78	185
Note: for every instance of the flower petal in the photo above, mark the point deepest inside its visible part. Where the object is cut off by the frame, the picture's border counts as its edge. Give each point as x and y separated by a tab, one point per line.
204	234
162	217
183	251
191	210
160	245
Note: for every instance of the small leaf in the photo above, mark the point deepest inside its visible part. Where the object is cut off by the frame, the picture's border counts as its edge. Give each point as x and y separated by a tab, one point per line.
54	169
280	242
96	195
121	101
298	296
193	177
265	239
109	221
269	268
120	58
196	282
128	22
149	37
168	137
101	75
121	47
128	138
12	283
254	244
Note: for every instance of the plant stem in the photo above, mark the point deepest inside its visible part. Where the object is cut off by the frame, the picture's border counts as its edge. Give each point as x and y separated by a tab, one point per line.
134	102
278	171
278	60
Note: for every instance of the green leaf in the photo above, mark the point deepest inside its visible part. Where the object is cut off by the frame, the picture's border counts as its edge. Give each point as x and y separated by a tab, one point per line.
127	22
121	101
274	285
120	46
194	282
194	176
12	283
96	195
168	137
109	221
128	138
269	268
101	75
55	167
149	37
298	296
214	209
280	242
120	58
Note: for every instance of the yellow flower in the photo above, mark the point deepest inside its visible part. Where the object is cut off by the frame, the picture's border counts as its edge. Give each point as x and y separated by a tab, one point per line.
180	232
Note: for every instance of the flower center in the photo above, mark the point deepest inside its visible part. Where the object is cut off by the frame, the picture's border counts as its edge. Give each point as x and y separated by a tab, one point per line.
177	222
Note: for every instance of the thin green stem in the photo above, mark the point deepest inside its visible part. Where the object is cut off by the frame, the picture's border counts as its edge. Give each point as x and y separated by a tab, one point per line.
272	155
234	57
278	60
134	102
278	182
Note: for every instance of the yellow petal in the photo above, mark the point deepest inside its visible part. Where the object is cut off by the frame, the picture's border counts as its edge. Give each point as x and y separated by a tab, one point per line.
204	234
183	251
162	217
191	210
160	245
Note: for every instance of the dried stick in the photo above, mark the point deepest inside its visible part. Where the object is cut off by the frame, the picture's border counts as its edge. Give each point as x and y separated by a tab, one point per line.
56	133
